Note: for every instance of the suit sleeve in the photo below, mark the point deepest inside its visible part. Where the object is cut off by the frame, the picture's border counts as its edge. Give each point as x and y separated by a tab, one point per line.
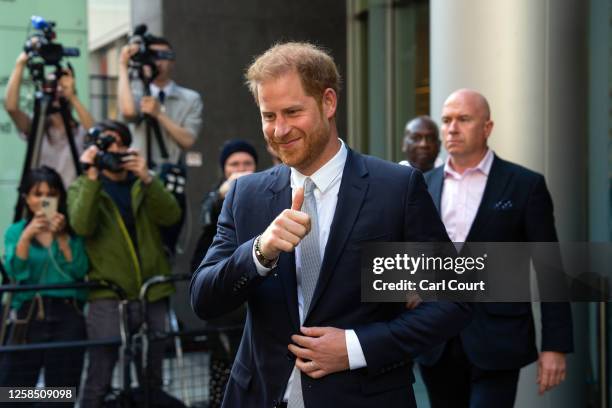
227	274
540	227
414	331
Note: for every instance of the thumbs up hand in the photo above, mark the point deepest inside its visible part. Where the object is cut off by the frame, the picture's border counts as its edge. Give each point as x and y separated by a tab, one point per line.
287	230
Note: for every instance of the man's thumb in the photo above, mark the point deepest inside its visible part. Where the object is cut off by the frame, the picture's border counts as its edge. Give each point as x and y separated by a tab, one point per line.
298	199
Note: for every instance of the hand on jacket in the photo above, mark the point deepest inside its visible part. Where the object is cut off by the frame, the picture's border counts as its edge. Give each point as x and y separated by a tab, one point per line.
320	351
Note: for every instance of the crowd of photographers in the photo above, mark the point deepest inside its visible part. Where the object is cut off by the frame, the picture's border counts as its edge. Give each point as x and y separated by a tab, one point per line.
102	201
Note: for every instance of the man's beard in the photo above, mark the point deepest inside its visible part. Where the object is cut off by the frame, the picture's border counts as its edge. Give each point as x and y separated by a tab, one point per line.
313	146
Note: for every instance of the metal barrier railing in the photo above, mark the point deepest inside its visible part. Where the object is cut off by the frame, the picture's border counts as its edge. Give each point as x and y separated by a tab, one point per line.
126	341
123	341
146	336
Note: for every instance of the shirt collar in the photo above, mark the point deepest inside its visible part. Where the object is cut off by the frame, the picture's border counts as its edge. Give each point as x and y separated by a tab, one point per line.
168	89
484	166
326	175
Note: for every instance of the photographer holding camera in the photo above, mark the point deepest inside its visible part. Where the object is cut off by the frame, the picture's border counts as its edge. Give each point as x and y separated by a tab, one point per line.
55	150
118	206
178	110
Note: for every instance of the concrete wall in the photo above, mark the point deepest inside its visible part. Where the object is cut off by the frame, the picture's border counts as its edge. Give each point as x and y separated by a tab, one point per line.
529	58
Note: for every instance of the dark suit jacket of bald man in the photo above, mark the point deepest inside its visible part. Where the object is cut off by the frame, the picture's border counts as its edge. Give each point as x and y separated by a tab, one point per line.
377	201
515	207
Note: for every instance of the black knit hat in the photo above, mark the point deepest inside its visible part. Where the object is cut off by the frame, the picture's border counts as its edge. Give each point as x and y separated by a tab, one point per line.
233	146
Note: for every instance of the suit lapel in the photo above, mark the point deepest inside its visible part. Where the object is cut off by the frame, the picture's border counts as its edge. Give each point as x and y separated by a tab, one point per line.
435	184
281	200
353	189
497	182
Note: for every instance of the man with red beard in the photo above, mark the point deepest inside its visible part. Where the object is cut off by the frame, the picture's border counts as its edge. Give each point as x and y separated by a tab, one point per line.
289	243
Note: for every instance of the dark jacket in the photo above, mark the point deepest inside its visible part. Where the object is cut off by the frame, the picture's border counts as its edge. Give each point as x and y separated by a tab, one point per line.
389	334
501	336
112	255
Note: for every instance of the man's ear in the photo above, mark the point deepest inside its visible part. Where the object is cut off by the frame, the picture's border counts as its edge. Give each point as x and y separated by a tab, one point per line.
330	103
488	128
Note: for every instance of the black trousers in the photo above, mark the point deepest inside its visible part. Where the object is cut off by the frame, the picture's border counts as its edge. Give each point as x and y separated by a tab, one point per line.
454	382
63	321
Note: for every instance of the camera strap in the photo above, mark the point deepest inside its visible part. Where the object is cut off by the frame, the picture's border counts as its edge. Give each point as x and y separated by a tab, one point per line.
153	125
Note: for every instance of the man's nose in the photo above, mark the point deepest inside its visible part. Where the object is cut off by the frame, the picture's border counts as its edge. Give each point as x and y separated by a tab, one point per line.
421	142
281	128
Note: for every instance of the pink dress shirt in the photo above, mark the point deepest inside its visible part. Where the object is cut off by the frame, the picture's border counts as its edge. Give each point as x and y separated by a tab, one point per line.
461	196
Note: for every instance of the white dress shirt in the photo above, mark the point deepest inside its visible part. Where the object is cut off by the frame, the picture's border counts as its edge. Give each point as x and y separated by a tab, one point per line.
327	181
155	90
461	197
437	163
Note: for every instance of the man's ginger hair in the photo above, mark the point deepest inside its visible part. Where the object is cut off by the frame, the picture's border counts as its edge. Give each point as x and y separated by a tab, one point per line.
315	67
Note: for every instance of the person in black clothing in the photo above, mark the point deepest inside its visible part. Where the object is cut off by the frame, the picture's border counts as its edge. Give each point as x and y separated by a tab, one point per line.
237	159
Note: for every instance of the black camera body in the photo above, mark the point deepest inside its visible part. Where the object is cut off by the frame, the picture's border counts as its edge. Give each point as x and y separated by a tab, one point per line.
42	52
105	160
145	55
41	43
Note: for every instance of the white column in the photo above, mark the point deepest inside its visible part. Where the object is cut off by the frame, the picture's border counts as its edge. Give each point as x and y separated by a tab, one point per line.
528	57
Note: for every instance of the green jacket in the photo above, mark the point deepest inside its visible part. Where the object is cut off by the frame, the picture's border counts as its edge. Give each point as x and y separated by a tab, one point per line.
112	255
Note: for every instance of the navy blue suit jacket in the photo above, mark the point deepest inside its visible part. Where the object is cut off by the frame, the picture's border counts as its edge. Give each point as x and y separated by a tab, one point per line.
502	335
377	201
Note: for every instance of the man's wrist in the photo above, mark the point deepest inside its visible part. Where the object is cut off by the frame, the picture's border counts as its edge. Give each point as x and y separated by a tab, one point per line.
147	178
263	259
92	172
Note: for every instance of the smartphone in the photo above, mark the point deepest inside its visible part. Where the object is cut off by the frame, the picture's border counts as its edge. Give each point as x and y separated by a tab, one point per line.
49	206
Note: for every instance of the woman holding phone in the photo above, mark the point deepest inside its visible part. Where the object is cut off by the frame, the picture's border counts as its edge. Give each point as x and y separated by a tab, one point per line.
41	249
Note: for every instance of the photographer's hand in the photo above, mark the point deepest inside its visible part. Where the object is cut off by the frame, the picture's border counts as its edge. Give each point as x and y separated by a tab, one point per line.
66	88
126	53
137	165
88	157
22	60
38	224
66	85
57	223
150	106
228	183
